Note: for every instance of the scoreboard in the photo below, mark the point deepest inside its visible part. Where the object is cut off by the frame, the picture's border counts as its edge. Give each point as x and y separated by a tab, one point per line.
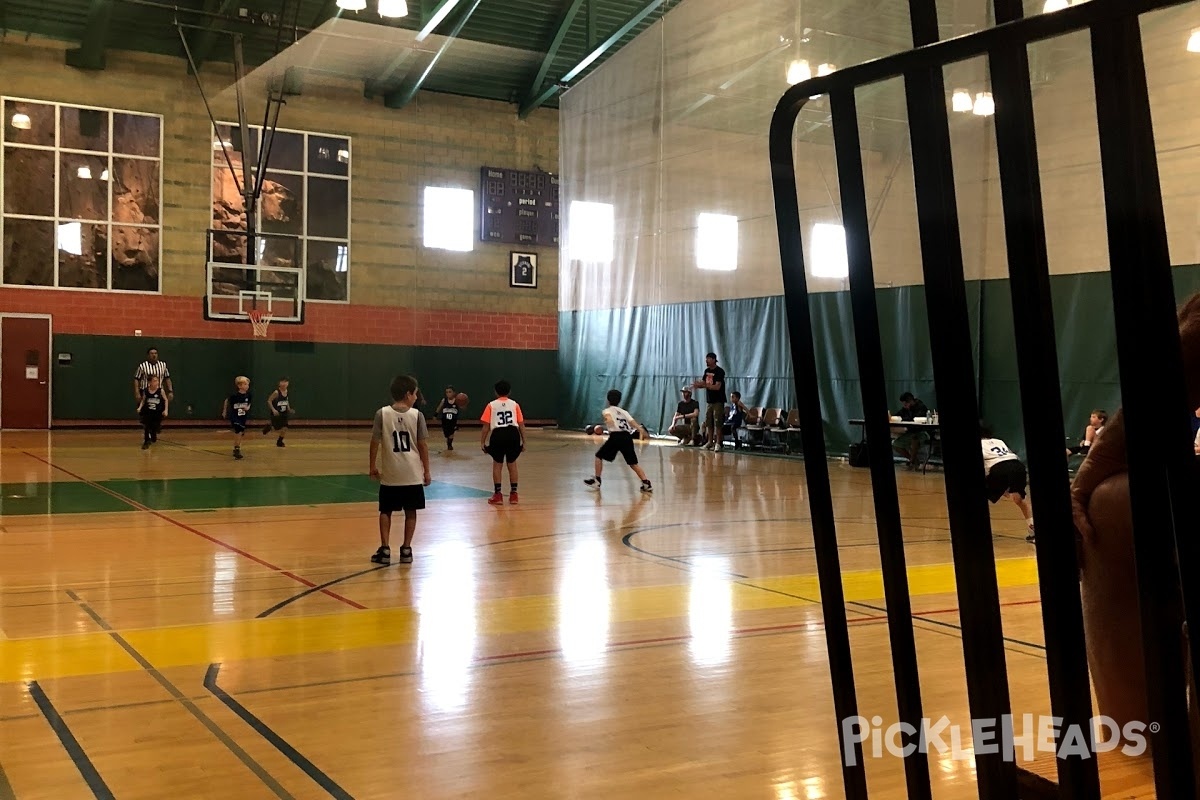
518	207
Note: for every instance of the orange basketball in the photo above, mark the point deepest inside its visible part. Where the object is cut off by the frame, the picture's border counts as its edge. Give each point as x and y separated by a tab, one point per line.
461	400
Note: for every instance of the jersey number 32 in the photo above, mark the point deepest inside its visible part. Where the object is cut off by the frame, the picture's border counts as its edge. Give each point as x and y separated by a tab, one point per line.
504	418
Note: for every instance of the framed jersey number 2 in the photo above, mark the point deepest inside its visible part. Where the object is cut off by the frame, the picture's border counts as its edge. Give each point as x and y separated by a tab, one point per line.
522	270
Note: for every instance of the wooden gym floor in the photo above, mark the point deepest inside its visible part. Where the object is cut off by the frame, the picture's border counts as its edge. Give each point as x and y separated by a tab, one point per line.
174	623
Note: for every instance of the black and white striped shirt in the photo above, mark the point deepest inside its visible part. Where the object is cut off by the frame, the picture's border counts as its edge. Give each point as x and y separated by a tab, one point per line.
146	370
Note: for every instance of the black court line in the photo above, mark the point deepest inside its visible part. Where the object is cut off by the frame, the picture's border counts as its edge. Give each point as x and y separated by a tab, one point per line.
183	700
314	589
86	768
262	729
6	790
744	580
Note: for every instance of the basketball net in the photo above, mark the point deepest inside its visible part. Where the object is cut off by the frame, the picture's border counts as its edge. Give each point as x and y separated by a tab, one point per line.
260	320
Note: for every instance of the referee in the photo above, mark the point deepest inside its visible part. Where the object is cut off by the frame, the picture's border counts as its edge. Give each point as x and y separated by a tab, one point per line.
149	368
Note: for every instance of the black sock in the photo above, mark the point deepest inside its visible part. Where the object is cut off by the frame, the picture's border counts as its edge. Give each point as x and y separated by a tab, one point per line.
497	488
512	488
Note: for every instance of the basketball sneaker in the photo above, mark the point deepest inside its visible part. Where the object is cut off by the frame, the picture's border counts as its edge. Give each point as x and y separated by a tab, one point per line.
405	555
646	487
237	452
497	500
512	498
279	442
384	555
593	482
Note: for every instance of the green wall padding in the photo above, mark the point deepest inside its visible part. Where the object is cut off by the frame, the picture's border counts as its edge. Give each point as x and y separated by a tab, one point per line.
329	381
649	352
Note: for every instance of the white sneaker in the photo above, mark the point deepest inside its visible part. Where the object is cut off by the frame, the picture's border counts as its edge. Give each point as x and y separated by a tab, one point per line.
717	447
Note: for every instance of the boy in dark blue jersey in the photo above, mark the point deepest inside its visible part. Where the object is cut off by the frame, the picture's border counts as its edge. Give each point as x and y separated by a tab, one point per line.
280	407
152	409
447	412
237	410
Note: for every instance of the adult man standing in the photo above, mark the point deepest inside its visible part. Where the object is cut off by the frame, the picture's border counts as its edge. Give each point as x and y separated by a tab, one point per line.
713	383
152	366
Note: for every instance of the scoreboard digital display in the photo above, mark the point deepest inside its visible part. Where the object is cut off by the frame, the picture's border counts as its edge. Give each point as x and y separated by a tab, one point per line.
518	207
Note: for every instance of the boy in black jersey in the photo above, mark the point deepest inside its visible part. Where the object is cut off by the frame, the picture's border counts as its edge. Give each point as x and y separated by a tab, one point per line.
237	410
152	409
447	412
280	407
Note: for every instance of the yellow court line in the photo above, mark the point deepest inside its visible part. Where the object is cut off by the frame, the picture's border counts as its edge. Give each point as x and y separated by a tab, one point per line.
96	653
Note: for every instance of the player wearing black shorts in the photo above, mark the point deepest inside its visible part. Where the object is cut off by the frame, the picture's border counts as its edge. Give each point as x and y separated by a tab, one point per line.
400	462
151	410
280	407
237	411
503	439
447	412
620	425
1005	475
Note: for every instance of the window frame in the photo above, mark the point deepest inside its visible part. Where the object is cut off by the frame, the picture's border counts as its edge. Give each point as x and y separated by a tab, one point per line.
57	221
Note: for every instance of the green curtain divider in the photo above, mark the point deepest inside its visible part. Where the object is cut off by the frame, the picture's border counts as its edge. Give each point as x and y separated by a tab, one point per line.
649	352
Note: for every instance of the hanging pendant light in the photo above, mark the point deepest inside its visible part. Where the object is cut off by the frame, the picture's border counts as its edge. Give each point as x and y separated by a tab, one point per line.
352	5
393	9
1054	5
985	106
84	173
21	121
1193	44
798	71
961	102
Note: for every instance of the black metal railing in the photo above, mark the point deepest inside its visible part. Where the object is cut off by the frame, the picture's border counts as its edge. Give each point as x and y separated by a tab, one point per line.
1162	472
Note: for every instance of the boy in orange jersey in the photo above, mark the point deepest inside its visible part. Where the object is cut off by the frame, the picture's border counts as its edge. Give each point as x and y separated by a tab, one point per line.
503	439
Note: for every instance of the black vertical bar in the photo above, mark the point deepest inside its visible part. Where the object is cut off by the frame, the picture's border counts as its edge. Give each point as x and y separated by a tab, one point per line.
855	219
953	368
812	433
1041	403
1162	483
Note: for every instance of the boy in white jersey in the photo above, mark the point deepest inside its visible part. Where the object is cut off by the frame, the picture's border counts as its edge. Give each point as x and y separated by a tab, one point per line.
503	439
1005	475
401	466
620	425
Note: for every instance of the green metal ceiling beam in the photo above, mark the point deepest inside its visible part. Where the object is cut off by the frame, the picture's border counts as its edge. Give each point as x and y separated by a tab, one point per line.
436	17
550	91
90	53
565	20
202	41
420	72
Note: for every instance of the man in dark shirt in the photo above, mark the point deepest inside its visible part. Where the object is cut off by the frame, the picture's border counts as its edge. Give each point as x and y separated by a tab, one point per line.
713	384
687	417
909	442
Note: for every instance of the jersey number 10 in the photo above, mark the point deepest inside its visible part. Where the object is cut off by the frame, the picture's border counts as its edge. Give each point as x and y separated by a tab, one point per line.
401	442
504	418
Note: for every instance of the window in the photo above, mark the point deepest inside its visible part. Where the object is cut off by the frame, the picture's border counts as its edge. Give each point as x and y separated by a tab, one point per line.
828	251
305	203
590	232
80	192
717	242
449	218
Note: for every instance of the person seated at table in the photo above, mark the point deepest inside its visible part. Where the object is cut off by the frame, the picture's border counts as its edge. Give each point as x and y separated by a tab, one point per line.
908	441
687	417
735	417
1096	424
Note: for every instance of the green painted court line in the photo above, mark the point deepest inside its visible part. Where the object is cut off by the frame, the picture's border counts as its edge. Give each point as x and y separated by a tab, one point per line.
189	494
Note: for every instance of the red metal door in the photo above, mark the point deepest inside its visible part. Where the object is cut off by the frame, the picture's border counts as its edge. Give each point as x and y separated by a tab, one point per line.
24	373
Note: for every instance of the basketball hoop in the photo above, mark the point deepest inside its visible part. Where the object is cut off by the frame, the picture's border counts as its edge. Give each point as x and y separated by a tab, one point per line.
260	320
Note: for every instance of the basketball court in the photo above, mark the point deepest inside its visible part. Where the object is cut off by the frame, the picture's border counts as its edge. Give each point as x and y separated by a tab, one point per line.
172	609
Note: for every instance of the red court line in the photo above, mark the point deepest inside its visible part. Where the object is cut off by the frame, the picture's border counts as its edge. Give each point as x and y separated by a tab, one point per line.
135	504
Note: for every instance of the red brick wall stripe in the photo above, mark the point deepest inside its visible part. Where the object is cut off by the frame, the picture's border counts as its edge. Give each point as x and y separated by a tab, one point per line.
113	314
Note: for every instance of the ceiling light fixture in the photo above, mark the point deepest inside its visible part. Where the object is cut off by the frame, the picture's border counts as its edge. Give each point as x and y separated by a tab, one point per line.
961	102
21	121
1054	5
343	156
1193	44
104	175
393	8
798	71
985	106
352	5
436	19
84	172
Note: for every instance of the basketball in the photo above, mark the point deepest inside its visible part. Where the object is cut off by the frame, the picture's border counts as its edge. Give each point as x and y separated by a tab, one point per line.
461	400
588	430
